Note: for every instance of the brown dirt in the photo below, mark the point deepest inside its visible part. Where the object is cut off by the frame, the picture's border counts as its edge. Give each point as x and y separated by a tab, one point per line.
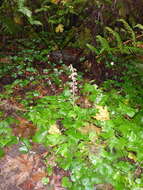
22	171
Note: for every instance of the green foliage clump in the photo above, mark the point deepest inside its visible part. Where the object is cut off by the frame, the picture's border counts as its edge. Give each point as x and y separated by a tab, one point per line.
118	46
99	142
6	136
91	157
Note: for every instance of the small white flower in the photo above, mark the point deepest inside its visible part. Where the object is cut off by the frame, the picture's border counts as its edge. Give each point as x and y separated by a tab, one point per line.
73	83
112	63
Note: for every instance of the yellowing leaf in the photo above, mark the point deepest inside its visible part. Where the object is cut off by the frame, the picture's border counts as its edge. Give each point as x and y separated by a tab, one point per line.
64	1
18	20
54	129
55	1
95	148
102	114
5	60
126	101
132	156
90	128
59	28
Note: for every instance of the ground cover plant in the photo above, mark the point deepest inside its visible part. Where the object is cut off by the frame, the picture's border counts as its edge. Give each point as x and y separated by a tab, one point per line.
93	134
71	95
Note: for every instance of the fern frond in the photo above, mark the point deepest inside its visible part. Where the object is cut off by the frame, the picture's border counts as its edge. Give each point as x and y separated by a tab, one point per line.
27	12
92	48
105	46
117	37
129	30
8	25
140	26
134	50
104	43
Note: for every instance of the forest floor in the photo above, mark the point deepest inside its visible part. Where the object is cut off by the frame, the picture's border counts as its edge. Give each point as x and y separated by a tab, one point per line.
22	83
25	171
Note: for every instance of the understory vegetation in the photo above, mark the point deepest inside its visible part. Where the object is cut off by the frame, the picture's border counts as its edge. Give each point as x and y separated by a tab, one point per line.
75	88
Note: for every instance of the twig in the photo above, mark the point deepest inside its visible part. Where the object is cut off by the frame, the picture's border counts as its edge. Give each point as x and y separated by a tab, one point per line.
128	41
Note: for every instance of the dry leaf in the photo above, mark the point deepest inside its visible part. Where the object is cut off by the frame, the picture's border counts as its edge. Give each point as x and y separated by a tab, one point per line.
38	176
5	60
140	45
102	114
54	129
83	102
22	170
18	20
59	28
132	156
10	105
55	1
90	128
24	128
23	164
105	186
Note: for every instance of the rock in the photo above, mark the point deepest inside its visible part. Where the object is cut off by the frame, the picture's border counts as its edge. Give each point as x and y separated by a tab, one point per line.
67	56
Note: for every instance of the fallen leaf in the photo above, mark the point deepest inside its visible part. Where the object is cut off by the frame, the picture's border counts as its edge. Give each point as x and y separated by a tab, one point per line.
83	102
102	114
27	185
18	20
38	176
59	28
5	60
90	128
105	186
132	156
23	170
55	1
24	128
54	129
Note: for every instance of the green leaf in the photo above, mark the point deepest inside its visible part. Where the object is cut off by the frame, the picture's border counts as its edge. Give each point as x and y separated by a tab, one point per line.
138	118
26	11
24	149
125	109
26	146
45	180
104	44
40	136
66	182
1	152
35	22
140	26
117	37
129	30
55	139
92	48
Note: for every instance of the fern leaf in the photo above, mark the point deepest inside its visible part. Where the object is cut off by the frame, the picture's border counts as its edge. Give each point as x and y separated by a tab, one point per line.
21	3
92	48
34	22
104	44
140	26
8	25
129	30
117	37
135	50
26	12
